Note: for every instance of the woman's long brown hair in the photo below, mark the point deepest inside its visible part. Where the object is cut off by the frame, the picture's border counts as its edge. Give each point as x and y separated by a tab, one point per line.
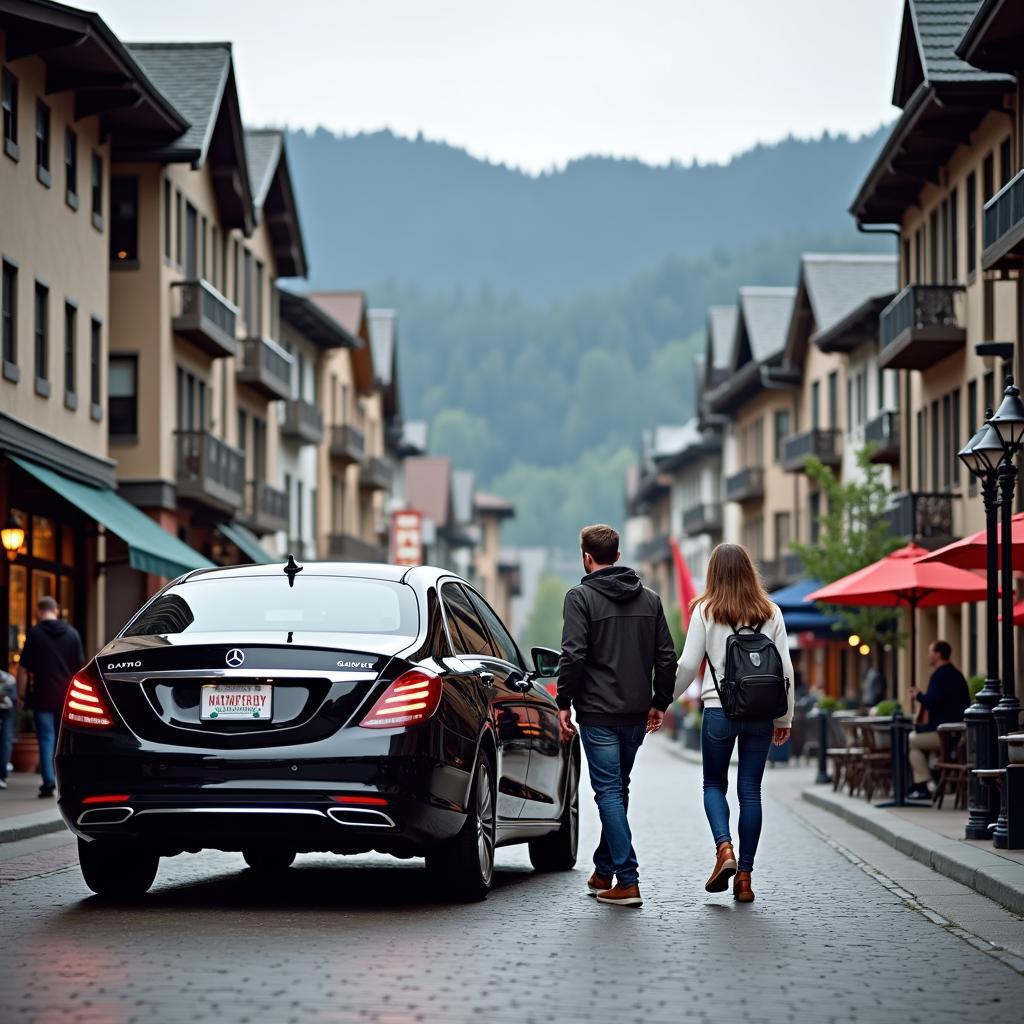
733	592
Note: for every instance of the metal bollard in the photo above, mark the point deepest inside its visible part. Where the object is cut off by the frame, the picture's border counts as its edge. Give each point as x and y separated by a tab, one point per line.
823	778
900	748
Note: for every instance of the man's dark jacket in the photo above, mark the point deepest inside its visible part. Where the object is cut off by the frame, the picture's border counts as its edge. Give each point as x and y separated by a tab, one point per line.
613	638
53	654
946	699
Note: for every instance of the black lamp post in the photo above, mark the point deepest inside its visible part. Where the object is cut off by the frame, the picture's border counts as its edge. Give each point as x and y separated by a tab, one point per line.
1008	422
981	455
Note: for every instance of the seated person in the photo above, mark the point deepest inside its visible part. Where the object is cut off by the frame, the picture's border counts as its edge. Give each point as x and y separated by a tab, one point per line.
945	700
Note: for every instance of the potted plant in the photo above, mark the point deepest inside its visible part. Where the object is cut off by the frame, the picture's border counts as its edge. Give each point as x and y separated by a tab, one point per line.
25	752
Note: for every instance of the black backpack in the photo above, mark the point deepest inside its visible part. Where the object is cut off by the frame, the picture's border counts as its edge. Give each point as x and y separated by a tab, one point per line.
753	686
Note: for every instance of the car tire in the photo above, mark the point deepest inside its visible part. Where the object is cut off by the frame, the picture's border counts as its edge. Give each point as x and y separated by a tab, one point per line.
464	865
557	850
269	858
116	870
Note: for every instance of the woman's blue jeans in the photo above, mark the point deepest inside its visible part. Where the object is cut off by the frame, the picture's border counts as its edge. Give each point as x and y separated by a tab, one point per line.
718	736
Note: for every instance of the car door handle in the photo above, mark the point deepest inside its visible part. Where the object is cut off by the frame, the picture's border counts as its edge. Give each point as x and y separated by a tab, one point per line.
487	678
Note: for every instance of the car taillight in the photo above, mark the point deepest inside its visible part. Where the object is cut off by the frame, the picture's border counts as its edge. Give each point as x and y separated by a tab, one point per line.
85	706
412	698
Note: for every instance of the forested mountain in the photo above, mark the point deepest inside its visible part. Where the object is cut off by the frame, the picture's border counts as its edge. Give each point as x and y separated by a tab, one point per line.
545	322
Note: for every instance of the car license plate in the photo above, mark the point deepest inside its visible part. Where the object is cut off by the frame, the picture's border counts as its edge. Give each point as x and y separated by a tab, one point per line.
227	701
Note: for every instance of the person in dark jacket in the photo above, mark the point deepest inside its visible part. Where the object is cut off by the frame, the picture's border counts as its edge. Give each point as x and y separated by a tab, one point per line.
614	639
945	700
51	656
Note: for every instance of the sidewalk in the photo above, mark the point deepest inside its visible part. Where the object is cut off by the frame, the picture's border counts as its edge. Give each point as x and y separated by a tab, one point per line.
22	813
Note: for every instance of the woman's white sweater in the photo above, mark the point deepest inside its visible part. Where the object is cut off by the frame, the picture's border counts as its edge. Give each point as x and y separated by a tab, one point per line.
707	639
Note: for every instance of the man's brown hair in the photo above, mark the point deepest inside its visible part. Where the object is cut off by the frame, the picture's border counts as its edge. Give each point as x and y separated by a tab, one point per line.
601	543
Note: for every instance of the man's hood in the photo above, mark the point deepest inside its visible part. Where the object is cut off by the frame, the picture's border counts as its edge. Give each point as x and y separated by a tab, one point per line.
617	583
54	627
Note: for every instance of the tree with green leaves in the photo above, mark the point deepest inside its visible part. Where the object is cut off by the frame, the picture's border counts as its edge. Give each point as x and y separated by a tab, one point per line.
544	625
853	533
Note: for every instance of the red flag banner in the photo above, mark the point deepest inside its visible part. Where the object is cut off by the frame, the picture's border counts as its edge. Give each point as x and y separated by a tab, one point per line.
685	590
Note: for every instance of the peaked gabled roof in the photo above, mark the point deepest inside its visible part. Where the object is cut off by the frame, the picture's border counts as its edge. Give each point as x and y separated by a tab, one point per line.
761	325
428	487
349	309
995	38
383	325
314	322
274	198
721	330
491	504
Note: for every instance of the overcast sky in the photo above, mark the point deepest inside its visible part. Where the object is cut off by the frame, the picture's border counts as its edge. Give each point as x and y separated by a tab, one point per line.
534	83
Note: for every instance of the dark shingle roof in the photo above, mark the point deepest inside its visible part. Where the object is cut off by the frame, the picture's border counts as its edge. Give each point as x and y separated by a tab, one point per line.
192	76
262	150
939	26
382	324
765	315
839	283
721	331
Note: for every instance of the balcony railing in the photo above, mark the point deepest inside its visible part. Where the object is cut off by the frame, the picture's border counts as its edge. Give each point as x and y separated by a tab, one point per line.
266	507
703	518
343	547
266	368
208	470
1003	234
656	549
200	313
920	326
787	569
375	474
822	444
883	434
925	518
347	443
745	485
303	422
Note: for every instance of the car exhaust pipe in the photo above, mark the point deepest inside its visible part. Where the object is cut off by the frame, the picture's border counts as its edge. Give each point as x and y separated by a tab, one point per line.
105	816
365	817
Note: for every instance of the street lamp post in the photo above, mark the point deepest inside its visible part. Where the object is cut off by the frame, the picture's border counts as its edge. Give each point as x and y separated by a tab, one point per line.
981	456
1009	423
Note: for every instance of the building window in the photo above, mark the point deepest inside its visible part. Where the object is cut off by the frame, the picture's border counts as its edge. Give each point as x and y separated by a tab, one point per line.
95	353
71	168
947	440
236	272
258	299
288	494
42	302
97	191
248	293
989	388
1005	162
955	440
922	439
43	142
972	222
988	178
906	261
191	242
935	442
833	400
815	405
782	533
933	246
954	236
9	300
167	219
781	423
178	238
70	346
123	396
10	106
202	247
124	220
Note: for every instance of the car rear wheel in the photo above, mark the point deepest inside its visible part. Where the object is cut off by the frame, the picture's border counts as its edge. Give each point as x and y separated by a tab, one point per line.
117	870
557	850
269	858
464	866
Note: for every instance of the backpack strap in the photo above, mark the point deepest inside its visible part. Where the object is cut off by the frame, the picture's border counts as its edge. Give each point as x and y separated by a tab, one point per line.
714	679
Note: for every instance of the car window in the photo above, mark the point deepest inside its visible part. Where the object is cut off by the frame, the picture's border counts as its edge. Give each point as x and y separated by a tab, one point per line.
499	634
472	637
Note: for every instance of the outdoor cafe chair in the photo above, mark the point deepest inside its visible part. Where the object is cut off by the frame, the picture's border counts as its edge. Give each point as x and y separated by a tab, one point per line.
952	764
876	761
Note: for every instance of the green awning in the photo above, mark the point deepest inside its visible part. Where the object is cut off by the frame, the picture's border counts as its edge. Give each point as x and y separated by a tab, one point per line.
150	547
246	541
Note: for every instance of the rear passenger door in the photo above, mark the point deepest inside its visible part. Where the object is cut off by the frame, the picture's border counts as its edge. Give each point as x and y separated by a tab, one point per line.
473	646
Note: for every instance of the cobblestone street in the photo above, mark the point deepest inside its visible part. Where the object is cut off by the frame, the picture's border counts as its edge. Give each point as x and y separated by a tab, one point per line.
363	940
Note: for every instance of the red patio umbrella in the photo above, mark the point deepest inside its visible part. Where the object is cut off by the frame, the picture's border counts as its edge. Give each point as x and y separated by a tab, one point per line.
969	553
903	579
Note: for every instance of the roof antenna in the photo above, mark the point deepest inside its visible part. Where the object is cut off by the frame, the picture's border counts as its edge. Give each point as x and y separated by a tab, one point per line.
291	570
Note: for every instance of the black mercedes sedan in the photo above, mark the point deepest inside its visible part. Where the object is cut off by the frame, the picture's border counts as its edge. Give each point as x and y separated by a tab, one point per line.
332	707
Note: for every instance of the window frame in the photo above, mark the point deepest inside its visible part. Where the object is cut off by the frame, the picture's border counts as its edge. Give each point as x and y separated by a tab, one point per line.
9	105
117	223
462	650
130	359
41	337
9	320
96	188
475	598
43	137
71	168
95	368
70	355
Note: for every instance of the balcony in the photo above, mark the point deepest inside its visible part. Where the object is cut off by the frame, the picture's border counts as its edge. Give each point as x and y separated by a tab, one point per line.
347	444
343	547
924	518
822	444
746	485
787	569
200	313
883	433
208	470
1003	231
703	518
303	422
266	508
920	327
265	367
375	474
656	549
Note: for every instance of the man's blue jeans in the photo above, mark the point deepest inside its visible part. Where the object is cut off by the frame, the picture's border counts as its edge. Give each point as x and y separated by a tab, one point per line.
611	751
46	737
7	720
717	738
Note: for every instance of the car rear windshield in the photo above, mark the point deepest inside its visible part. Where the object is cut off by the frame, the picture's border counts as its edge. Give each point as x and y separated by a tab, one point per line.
323	604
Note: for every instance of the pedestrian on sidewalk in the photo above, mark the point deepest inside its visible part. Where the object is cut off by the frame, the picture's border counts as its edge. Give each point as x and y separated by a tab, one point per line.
8	716
51	656
733	598
945	700
614	640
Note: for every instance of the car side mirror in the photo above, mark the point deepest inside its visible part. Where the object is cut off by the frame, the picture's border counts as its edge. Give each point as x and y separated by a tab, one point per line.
545	662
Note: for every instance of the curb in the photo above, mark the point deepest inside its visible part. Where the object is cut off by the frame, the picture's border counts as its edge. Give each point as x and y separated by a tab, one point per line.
26	826
987	873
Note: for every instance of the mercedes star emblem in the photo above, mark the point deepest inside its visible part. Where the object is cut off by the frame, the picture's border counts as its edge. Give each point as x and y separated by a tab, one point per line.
235	657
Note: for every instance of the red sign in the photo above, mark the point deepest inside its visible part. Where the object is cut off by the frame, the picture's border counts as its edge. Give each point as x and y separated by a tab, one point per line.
407	537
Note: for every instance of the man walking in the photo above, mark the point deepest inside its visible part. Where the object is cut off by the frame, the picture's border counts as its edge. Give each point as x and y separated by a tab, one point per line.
51	655
614	637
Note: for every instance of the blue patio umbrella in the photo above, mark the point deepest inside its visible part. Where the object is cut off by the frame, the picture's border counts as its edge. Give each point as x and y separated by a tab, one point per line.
798	615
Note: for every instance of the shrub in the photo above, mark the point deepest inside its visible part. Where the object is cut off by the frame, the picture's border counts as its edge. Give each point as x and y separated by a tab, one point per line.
829	704
974	685
885	708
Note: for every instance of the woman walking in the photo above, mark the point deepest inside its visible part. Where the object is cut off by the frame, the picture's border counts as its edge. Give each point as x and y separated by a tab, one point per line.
734	598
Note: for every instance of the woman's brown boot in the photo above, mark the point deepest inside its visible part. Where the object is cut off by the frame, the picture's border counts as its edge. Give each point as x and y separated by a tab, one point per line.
725	868
741	890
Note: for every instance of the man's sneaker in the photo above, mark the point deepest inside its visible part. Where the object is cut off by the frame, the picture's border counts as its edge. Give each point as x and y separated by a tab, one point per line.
621	896
3	783
725	868
45	792
920	792
596	884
